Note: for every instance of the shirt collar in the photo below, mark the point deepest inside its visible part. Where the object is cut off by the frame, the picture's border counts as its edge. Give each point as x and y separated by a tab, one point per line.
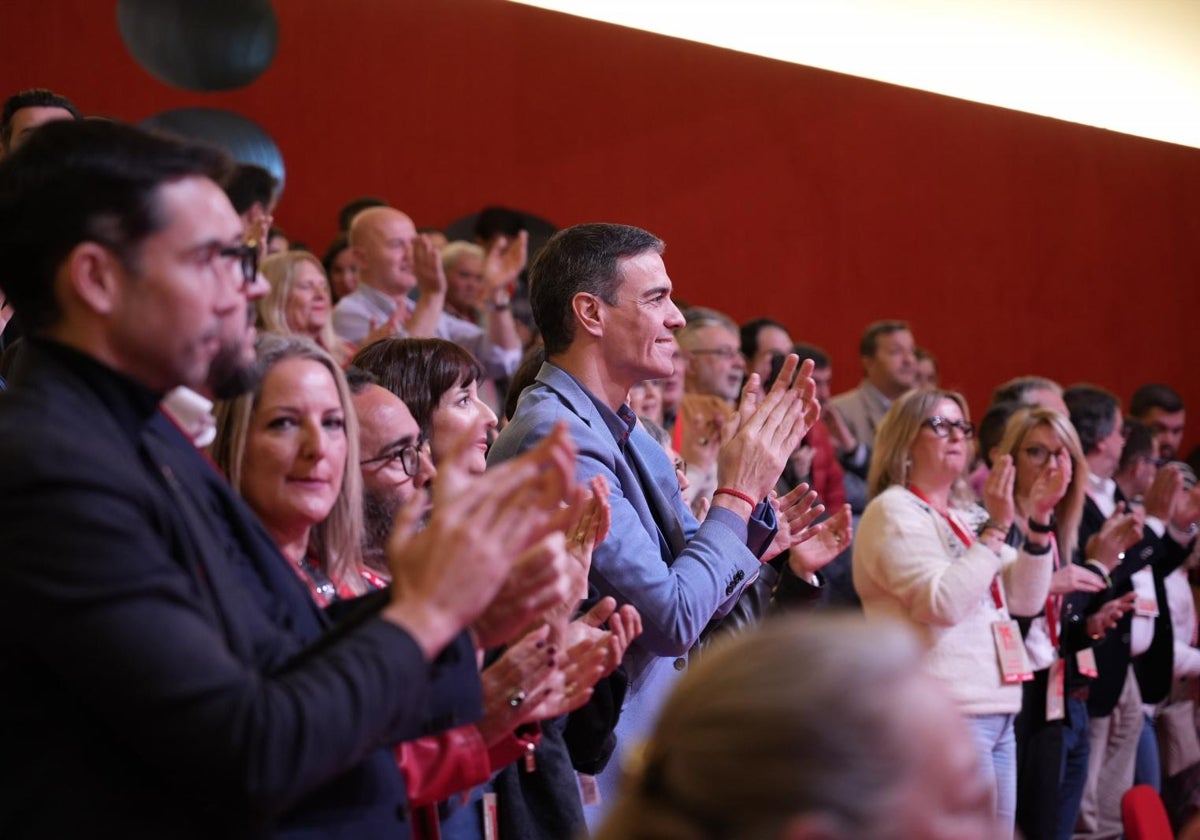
193	414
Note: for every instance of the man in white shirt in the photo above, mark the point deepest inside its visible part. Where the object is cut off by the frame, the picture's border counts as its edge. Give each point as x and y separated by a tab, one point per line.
393	260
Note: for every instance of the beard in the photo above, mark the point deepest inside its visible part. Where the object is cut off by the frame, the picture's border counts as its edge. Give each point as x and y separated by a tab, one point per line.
379	514
231	375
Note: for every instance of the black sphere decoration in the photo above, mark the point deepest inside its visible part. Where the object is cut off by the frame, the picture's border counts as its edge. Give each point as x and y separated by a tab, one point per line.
201	45
243	139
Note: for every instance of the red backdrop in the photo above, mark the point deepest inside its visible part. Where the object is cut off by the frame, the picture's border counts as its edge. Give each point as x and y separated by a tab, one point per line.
1014	244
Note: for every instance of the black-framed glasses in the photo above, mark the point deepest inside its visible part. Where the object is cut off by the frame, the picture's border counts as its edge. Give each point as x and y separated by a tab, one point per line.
409	458
942	426
247	257
1039	455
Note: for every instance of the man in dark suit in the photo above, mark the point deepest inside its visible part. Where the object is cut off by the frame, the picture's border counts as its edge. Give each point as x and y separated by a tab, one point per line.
1134	659
162	676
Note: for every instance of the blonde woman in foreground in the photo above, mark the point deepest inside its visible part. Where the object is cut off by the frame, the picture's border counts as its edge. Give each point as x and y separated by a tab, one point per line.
812	726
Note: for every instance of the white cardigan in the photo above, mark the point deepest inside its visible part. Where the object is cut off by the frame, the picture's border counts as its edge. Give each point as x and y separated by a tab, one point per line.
908	563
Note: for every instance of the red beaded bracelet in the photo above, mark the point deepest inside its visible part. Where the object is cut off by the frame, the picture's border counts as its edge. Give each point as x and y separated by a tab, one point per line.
737	494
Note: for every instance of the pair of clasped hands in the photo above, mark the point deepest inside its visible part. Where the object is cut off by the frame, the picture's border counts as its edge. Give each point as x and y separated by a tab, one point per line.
507	554
756	442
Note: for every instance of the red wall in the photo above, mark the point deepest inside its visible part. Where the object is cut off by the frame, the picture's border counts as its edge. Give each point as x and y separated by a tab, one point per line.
1013	243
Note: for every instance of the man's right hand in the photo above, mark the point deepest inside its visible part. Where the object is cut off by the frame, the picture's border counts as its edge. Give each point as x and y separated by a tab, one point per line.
445	575
764	432
1159	500
1119	532
427	266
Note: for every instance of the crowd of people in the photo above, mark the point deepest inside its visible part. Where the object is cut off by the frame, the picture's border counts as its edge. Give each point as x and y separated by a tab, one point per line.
452	539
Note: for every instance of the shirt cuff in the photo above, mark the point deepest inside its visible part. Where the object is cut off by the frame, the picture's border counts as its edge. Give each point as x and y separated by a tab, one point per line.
730	520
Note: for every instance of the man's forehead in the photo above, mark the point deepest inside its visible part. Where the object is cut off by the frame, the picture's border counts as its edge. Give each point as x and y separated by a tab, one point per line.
384	414
715	333
643	271
197	207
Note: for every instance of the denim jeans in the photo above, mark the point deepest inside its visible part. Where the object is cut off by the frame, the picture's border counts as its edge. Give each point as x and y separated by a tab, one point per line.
1076	747
1147	770
998	761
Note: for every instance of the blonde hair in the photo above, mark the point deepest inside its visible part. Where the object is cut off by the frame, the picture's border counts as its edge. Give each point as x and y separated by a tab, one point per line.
336	542
891	460
281	270
456	250
745	743
1069	510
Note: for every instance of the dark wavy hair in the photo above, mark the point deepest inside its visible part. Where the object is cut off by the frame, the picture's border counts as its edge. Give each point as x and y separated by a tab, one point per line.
419	371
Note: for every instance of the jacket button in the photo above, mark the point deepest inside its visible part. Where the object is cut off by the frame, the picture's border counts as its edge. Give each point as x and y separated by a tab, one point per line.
680	664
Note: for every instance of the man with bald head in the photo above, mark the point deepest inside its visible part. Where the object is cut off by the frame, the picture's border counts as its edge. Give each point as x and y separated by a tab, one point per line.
394	259
396	463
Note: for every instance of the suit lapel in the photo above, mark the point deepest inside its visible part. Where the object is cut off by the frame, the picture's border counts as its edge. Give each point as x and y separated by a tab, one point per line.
654	507
669	529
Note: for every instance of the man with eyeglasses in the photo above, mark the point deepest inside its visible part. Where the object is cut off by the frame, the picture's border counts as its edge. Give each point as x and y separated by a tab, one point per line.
712	347
174	681
396	464
714	373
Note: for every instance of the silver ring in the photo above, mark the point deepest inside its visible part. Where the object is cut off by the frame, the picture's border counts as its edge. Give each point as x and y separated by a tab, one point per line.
516	698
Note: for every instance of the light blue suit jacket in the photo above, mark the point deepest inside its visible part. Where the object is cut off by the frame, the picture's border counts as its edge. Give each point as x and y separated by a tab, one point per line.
680	578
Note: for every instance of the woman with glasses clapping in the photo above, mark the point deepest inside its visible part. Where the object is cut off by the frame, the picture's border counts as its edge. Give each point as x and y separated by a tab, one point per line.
927	554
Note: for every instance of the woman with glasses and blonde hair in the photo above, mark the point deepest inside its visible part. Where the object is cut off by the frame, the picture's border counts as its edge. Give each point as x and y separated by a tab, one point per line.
1049	490
299	302
926	554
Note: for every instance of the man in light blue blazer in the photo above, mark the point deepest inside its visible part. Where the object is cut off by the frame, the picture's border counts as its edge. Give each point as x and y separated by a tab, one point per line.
602	299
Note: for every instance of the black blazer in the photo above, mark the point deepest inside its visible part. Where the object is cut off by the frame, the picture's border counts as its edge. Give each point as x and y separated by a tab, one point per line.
1152	668
150	686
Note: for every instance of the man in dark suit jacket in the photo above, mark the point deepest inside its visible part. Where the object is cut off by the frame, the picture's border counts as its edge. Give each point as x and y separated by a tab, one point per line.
1115	697
162	677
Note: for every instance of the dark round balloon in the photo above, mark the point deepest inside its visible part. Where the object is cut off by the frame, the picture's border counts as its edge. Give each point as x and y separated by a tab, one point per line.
245	141
202	45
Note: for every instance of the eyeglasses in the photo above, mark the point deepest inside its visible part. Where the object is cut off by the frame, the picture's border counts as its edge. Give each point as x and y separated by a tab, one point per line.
941	426
247	257
409	458
726	353
1039	455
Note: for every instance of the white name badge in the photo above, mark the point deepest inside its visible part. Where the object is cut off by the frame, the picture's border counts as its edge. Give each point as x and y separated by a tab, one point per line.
1010	649
1055	704
491	819
1146	607
1086	661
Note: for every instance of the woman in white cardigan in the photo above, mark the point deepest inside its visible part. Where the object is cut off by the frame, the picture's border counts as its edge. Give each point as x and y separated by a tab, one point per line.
925	554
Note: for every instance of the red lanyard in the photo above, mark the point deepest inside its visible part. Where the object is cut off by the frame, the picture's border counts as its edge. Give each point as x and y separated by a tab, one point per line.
966	538
1053	601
